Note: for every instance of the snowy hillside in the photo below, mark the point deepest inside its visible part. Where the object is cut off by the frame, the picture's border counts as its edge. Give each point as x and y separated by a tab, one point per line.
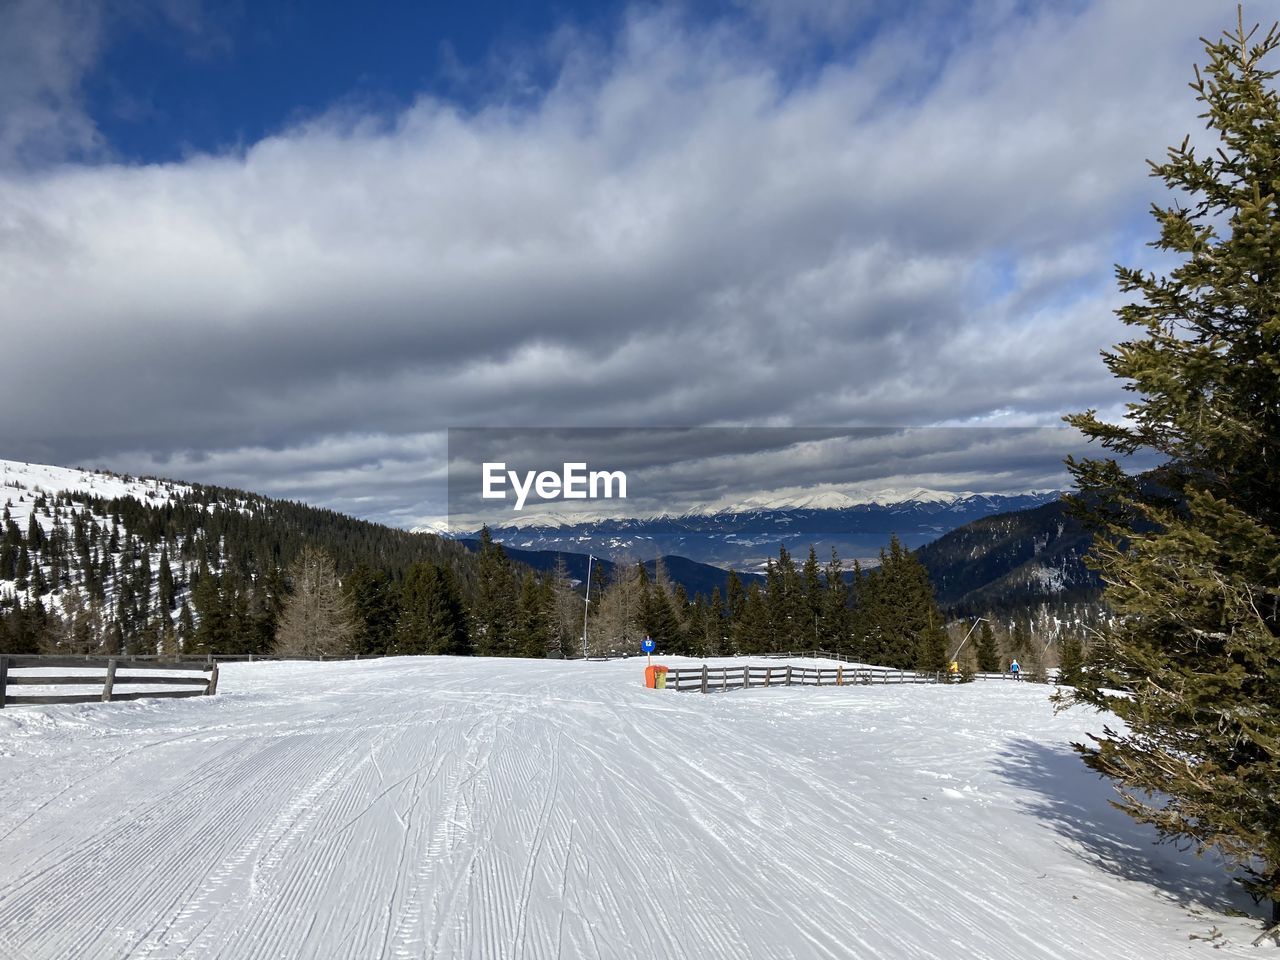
24	483
96	562
55	497
492	808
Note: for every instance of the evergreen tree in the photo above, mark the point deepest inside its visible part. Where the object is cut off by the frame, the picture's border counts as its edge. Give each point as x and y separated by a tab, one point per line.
186	628
735	596
374	610
1070	659
717	625
535	621
493	608
752	630
35	533
1191	555
813	597
790	625
931	649
988	652
896	612
165	593
214	630
29	628
658	617
432	617
699	630
835	608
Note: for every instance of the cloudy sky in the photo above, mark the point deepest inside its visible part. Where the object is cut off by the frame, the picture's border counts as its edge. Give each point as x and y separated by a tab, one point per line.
284	246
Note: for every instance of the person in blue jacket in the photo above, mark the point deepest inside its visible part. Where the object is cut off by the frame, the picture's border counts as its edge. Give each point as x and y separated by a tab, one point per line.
1015	669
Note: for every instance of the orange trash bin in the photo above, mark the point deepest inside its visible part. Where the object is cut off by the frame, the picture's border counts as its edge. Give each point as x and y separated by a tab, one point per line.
655	677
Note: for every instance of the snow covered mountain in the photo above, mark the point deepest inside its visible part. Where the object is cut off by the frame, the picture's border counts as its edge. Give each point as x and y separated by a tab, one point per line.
743	535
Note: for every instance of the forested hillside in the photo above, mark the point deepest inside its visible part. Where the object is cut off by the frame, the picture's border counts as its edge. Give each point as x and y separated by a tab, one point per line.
136	565
1012	561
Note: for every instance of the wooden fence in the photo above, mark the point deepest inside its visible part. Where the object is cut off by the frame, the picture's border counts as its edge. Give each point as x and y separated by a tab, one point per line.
707	679
140	673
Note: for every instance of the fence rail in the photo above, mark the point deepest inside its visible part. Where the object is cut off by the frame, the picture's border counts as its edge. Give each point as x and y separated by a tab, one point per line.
142	673
707	679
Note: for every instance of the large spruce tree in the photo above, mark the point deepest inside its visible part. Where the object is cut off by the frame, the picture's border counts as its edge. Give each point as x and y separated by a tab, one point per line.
1191	554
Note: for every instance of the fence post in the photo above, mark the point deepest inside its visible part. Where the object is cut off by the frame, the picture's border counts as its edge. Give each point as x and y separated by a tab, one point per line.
746	677
110	681
4	678
840	675
704	678
768	675
212	686
788	674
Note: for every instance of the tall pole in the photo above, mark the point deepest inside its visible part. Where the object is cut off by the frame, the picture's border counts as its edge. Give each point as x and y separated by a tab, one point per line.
967	636
586	606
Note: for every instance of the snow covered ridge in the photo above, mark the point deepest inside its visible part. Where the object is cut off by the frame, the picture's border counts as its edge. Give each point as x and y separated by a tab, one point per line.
56	499
21	483
488	808
918	498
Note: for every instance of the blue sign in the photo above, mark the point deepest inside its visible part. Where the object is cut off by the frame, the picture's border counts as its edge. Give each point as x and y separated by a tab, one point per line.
646	645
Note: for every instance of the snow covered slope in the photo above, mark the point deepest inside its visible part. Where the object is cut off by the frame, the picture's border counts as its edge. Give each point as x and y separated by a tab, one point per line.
436	807
21	483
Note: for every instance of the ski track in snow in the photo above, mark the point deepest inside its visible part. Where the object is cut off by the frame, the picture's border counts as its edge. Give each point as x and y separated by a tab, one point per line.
440	807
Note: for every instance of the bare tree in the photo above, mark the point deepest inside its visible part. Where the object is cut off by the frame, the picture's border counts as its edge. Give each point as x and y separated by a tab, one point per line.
79	628
615	619
567	610
317	619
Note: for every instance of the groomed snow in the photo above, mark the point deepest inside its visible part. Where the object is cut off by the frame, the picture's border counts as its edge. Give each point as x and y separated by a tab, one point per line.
439	807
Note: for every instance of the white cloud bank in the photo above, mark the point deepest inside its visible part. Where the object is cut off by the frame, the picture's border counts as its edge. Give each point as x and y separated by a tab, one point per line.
678	231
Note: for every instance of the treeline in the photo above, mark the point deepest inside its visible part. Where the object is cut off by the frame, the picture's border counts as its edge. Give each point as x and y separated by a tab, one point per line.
886	614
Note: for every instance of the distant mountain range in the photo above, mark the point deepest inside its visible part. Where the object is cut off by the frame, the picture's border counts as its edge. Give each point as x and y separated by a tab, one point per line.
743	537
1030	554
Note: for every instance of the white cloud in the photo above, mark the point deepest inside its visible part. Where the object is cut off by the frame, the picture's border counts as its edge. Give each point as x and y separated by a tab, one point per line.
45	48
676	232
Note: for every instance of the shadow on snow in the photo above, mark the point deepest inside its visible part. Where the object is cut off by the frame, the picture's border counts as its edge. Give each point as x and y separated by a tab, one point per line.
1075	802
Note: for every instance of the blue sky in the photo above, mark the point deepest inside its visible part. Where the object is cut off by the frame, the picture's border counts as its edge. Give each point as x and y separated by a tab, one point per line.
286	246
234	73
